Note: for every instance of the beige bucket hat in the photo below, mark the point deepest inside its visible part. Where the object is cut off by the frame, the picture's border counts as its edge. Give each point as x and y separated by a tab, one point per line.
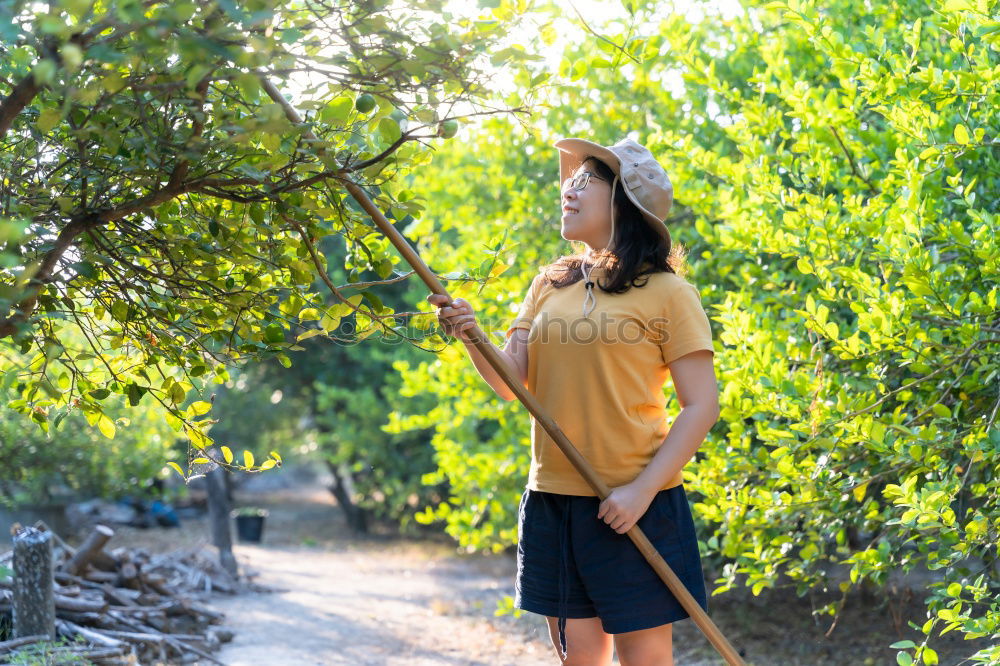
646	183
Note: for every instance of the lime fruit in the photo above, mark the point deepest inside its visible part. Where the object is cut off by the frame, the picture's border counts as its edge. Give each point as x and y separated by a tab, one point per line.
364	103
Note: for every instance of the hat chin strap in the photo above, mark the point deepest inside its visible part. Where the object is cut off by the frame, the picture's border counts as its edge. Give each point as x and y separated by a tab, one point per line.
587	282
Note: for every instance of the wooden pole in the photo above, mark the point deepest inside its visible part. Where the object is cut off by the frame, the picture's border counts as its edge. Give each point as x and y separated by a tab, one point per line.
510	377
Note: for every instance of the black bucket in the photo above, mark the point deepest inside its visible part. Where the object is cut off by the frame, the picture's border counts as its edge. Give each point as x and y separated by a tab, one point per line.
250	528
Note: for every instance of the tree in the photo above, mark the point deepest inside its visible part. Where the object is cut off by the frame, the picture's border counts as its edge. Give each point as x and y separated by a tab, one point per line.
157	198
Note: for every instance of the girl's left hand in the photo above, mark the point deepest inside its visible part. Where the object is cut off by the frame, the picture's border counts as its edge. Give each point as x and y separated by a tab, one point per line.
624	506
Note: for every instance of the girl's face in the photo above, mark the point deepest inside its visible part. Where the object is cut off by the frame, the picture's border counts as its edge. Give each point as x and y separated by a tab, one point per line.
586	213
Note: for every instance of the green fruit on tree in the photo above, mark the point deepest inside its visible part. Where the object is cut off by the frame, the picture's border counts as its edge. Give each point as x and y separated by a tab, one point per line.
448	128
364	103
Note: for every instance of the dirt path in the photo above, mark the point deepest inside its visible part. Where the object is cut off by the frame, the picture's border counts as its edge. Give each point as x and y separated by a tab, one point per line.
387	600
375	601
372	608
378	600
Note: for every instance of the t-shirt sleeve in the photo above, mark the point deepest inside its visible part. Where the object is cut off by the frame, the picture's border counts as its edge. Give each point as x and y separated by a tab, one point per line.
528	307
684	327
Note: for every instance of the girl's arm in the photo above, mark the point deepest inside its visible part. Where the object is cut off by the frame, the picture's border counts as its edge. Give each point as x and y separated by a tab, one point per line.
459	320
698	394
515	352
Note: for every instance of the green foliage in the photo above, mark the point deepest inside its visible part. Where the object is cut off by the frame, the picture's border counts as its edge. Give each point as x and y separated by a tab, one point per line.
159	197
52	452
332	402
478	439
74	461
834	166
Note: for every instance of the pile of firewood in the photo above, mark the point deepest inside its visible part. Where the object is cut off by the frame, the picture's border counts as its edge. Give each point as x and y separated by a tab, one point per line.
127	605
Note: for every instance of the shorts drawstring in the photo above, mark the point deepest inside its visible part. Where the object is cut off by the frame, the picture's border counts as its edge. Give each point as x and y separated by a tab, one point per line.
563	578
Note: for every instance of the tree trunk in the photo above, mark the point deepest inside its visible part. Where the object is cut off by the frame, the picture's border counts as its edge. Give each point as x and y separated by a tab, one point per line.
34	604
219	520
357	517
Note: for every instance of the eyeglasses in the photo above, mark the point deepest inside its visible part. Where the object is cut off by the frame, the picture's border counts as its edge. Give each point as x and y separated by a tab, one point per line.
579	181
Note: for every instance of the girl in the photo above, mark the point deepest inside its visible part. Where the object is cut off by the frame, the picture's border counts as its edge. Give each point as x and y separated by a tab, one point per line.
597	335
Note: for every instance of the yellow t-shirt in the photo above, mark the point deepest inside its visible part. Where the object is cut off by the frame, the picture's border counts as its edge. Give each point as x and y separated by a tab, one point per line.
601	378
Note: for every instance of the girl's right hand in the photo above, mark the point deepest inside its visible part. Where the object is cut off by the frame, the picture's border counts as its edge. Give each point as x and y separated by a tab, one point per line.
456	317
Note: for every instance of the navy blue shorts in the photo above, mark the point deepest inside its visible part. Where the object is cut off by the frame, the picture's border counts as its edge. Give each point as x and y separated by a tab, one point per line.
567	554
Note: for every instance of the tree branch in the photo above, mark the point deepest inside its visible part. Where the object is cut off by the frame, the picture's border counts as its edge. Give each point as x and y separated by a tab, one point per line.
79	224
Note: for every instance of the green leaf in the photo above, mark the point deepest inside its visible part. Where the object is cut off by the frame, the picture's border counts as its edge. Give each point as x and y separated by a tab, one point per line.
274	333
48	119
337	111
198	408
135	393
961	135
248	459
311	333
177	468
389	130
227	454
953	6
928	152
106	426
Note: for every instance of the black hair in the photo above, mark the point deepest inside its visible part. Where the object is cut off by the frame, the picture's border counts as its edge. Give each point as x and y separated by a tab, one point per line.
637	249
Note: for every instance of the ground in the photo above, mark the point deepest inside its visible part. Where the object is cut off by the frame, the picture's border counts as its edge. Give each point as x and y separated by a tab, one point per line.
390	600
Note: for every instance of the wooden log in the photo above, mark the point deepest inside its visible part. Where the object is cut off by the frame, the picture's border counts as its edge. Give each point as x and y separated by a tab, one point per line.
100	576
81	605
127	576
92	545
101	560
157	584
137	637
71	629
142	610
118	595
13	644
64	578
33	604
68	590
176	644
185	606
79	618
